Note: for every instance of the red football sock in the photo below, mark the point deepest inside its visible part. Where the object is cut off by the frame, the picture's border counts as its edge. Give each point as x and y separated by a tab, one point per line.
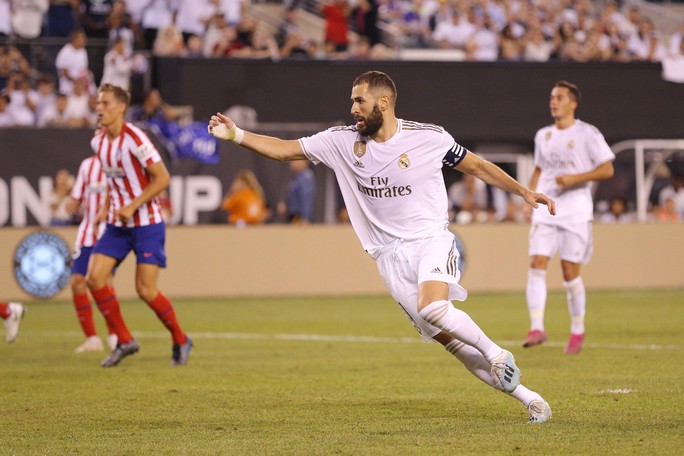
84	312
4	310
164	309
109	306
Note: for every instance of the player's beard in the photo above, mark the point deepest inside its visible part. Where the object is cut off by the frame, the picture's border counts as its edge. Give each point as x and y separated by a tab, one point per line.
372	123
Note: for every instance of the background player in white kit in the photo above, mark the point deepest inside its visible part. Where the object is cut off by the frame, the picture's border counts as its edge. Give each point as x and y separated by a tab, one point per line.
568	155
390	174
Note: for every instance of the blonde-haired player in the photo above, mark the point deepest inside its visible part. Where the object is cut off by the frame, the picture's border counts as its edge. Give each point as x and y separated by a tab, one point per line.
568	155
390	174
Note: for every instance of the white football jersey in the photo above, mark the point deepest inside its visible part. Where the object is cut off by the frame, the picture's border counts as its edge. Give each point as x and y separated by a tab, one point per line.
392	189
577	149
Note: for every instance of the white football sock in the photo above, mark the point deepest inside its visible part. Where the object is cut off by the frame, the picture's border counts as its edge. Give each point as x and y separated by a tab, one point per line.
536	297
446	317
479	367
577	304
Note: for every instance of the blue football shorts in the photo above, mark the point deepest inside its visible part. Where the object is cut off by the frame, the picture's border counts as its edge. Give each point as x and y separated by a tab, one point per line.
146	241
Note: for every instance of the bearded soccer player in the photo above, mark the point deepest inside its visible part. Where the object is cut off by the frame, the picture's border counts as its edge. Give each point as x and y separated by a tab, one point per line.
135	176
568	156
390	174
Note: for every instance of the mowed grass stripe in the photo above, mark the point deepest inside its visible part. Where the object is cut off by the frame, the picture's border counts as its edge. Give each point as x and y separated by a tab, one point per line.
354	339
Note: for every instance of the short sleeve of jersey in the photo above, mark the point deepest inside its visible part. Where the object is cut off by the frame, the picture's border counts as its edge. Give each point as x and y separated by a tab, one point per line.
79	185
319	148
454	152
537	140
146	153
599	150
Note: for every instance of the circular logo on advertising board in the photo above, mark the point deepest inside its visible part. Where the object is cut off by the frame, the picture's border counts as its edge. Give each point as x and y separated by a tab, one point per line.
42	264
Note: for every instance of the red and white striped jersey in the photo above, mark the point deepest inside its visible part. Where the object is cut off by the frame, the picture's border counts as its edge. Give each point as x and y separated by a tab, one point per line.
90	189
124	162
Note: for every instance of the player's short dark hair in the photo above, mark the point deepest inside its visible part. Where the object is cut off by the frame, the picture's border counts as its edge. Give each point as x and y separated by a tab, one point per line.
378	80
572	88
120	94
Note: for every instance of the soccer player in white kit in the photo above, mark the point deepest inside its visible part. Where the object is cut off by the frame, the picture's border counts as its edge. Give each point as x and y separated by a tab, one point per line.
390	173
568	156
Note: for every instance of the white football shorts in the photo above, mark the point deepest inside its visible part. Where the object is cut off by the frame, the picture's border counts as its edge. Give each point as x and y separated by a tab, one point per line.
574	241
403	265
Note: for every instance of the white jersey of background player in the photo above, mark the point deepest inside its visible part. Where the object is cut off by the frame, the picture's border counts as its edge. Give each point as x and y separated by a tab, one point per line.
389	171
568	156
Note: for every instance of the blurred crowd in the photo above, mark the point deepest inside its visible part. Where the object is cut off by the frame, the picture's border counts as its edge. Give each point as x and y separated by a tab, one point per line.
480	30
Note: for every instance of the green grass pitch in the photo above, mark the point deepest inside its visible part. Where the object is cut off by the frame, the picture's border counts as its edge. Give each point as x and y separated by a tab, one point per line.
345	376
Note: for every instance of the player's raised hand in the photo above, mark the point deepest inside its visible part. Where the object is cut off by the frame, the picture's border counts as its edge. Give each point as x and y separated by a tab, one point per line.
224	128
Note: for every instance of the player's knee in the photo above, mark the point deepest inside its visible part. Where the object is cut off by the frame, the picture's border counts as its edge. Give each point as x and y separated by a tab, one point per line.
78	284
539	262
146	293
94	282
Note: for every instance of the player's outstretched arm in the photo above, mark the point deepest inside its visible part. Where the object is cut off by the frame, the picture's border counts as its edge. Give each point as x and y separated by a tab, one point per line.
224	128
493	175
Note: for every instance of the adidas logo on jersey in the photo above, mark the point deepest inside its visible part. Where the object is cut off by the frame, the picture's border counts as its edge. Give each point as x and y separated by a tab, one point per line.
436	271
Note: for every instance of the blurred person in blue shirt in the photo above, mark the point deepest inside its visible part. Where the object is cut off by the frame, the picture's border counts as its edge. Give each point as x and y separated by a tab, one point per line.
301	193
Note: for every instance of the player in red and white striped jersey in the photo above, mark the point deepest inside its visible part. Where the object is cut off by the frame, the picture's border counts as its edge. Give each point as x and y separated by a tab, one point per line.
135	176
89	192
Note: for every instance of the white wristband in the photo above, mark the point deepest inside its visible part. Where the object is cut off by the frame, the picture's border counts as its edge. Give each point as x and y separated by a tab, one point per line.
239	135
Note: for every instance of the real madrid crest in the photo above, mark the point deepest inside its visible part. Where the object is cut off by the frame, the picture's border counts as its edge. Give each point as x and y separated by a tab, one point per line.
359	148
404	161
571	144
548	135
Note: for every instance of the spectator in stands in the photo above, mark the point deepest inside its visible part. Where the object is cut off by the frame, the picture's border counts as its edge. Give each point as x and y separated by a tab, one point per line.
675	192
454	34
5	22
62	17
45	94
245	203
617	212
483	46
153	107
336	14
121	26
27	17
59	198
54	115
297	47
156	15
674	48
72	61
467	200
646	45
365	20
192	17
117	66
231	11
301	194
94	17
194	47
6	119
78	110
287	26
23	100
169	42
536	47
262	46
667	212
